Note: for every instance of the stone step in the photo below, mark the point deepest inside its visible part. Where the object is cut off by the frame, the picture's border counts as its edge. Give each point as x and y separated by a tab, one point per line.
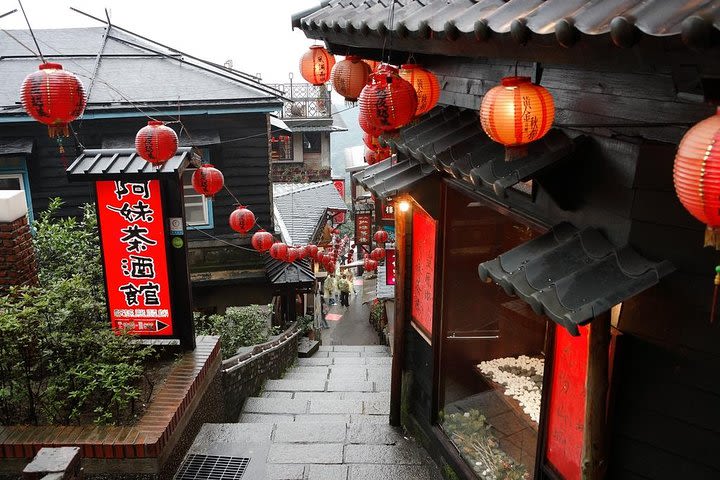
314	418
327	361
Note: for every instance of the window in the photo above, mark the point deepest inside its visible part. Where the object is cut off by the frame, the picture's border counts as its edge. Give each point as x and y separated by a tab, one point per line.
13	176
311	142
281	148
198	208
492	360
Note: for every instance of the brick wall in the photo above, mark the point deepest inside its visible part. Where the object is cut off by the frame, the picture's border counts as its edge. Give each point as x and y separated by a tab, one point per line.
244	375
17	257
297	173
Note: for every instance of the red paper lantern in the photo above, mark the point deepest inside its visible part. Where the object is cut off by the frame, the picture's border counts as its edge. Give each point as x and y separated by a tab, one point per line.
380	237
318	257
279	251
242	220
331	267
697	175
262	240
316	65
302	251
312	251
377	254
367	127
372	142
517	112
369	264
388	102
54	97
207	180
426	86
371	157
349	76
156	142
292	254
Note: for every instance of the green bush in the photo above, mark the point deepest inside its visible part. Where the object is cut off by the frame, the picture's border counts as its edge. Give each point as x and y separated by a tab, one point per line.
239	327
59	360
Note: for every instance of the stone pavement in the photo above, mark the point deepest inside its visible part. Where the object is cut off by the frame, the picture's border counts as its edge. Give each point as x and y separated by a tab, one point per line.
349	326
326	419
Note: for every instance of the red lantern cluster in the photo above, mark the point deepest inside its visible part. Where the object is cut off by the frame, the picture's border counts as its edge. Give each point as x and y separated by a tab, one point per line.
156	142
388	102
373	157
312	251
54	97
517	112
207	180
426	86
242	220
696	175
349	76
316	65
370	265
377	254
380	237
262	240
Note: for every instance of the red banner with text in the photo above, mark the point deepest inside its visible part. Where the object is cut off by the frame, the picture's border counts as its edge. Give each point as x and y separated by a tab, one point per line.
134	253
390	266
363	228
423	270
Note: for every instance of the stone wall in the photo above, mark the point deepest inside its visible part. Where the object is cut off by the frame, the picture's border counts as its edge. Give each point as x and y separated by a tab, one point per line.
244	375
297	173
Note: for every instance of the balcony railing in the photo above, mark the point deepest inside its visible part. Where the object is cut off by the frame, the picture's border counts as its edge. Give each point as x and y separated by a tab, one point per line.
308	101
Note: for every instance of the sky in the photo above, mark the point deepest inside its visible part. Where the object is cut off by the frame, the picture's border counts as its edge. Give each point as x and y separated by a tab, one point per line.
255	35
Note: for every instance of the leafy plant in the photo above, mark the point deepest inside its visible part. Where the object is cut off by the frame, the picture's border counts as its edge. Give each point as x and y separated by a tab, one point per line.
305	323
239	327
59	360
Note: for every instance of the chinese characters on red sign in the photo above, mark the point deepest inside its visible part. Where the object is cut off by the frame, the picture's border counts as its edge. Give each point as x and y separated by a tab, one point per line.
133	242
423	270
388	209
363	228
340	186
390	270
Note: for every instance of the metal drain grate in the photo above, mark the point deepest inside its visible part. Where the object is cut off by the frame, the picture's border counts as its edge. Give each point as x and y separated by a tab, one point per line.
212	467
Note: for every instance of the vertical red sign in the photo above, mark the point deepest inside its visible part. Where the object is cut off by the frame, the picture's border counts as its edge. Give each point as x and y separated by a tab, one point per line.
423	270
566	408
390	264
388	209
133	243
340	186
363	228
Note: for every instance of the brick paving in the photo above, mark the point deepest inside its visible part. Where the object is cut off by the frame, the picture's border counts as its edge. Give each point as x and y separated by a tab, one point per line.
326	419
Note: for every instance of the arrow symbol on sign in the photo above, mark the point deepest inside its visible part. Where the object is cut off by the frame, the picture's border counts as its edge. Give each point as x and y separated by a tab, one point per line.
160	325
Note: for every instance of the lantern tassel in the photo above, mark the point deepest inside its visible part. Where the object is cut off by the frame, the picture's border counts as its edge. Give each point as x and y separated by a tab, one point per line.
712	237
713	307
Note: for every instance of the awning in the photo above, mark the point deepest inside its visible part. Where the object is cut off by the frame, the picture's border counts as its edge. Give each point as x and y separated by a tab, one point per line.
283	274
451	140
573	275
123	164
278	124
16	145
197	138
386	180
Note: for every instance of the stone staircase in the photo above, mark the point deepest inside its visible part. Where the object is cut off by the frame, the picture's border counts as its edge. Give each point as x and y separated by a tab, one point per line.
326	419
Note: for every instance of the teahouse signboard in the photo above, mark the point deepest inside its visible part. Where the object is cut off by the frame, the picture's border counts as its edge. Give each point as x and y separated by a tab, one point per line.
135	257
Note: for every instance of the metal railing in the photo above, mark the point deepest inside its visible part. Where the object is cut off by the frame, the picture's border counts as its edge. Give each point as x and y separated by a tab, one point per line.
308	101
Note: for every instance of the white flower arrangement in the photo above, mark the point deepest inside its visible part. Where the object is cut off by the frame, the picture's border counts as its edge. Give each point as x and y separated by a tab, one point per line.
522	379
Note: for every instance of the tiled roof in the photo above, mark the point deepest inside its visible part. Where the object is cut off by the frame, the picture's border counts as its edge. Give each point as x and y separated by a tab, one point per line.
565	19
297	273
302	207
130	70
123	163
573	276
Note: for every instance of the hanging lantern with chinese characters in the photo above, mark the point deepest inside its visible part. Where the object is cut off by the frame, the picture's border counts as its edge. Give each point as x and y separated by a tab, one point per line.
316	65
426	86
207	180
262	240
377	254
367	127
156	142
387	102
372	142
517	112
279	251
242	220
380	237
373	157
696	175
349	76
54	97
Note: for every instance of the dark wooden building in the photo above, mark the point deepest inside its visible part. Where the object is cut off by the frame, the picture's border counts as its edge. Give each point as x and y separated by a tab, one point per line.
221	112
567	330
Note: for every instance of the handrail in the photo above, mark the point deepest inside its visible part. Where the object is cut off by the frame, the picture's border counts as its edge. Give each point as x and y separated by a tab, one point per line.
235	362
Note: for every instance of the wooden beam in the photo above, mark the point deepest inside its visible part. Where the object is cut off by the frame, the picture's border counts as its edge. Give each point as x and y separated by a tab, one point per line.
595	451
398	353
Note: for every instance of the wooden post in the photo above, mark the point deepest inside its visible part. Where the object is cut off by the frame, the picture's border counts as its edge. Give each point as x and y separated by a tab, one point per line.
595	455
400	321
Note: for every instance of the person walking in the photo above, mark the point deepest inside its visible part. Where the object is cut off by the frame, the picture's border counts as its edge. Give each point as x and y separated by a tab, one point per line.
329	289
351	280
320	308
344	287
